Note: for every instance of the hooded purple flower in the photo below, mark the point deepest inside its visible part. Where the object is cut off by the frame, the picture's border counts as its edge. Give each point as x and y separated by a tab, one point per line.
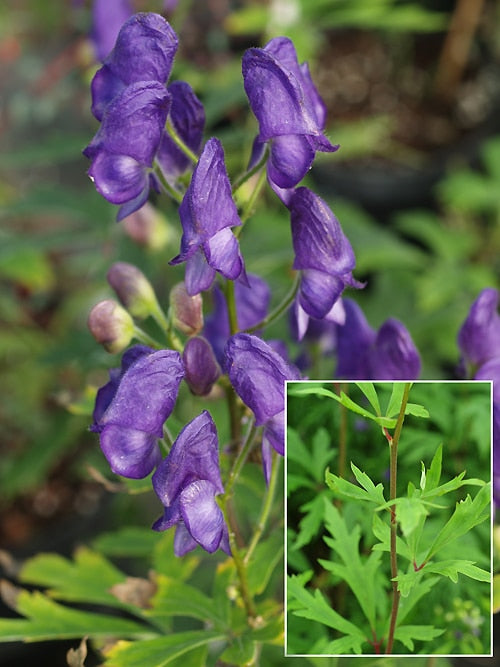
207	212
132	407
258	373
144	51
479	336
252	303
290	112
363	354
123	150
322	252
186	482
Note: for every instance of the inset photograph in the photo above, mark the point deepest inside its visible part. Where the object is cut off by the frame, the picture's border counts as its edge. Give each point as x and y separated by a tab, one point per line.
389	519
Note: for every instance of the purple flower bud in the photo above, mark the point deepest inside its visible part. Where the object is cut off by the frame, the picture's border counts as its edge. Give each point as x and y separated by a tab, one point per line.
144	51
132	407
479	336
200	364
207	212
289	110
187	311
186	482
133	289
258	373
123	150
111	325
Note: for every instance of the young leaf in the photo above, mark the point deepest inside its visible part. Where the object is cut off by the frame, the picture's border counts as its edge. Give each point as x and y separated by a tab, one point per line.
368	491
410	514
416	410
376	493
394	405
382	532
369	391
434	473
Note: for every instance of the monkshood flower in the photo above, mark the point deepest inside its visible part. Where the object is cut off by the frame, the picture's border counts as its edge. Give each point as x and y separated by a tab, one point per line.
365	354
144	51
201	366
252	304
186	482
258	373
479	335
123	150
491	371
322	253
132	407
207	213
289	110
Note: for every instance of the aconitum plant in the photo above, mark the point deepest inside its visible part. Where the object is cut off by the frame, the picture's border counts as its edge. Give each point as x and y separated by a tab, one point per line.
214	332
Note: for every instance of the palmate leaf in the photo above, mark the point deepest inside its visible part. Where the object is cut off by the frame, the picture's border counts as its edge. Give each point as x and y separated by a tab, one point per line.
311	523
46	619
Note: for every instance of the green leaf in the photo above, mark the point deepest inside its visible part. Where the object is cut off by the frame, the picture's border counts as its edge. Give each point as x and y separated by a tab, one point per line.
315	608
382	532
345	489
407	580
434	472
242	651
360	574
468	513
369	391
311	523
416	410
130	541
407	633
394	405
159	651
46	619
410	514
267	555
87	579
452	568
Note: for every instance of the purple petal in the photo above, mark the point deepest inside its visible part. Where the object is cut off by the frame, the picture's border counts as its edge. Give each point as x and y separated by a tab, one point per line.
194	455
394	355
119	178
223	254
202	516
290	160
199	274
130	453
318	239
258	374
353	340
479	336
274	433
183	542
319	292
147	393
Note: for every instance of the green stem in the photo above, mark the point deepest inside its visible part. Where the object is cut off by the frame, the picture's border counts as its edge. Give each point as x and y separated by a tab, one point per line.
266	507
240	459
179	143
145	338
250	204
248	174
172	192
393	448
231	306
280	308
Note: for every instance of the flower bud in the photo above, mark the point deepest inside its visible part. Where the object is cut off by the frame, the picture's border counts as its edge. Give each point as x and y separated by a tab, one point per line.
133	289
187	311
200	365
148	227
111	325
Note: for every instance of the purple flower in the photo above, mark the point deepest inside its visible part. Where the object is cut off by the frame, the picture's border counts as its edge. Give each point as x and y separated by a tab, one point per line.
186	482
491	371
144	51
290	112
132	407
123	150
108	16
363	354
479	336
252	303
207	212
322	252
200	364
258	373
